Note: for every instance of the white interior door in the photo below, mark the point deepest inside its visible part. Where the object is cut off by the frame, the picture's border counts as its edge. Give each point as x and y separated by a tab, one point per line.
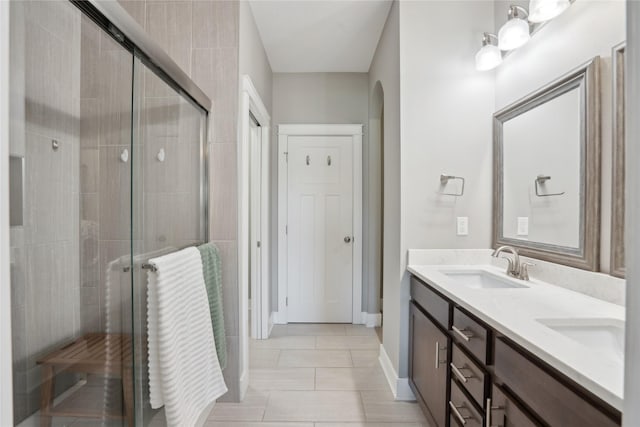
320	229
255	226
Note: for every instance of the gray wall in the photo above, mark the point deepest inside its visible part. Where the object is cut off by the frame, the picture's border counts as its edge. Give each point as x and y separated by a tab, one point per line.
446	128
314	98
253	58
385	68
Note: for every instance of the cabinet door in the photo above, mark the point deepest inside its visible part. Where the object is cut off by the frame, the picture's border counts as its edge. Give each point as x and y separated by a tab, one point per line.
428	364
504	412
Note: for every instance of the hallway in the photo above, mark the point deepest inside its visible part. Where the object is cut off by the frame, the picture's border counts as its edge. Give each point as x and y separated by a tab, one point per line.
317	375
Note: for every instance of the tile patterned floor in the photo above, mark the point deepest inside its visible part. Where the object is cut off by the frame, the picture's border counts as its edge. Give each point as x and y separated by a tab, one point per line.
317	375
311	375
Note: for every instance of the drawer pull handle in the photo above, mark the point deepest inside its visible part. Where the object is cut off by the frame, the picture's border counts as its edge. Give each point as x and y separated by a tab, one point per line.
458	373
456	411
490	409
463	333
438	350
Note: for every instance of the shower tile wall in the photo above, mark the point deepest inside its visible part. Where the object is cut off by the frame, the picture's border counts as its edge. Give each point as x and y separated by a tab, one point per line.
45	99
202	37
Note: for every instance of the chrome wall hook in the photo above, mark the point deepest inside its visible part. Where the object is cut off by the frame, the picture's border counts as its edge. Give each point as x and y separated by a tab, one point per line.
308	160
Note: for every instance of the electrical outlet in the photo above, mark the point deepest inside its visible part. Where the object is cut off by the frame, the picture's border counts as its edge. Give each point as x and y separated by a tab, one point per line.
523	226
463	225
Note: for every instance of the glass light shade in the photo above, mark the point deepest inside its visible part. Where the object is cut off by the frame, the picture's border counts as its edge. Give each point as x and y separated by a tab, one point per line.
488	57
544	10
513	34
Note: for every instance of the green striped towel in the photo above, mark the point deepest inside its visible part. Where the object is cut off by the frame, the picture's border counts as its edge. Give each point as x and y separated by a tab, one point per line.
212	269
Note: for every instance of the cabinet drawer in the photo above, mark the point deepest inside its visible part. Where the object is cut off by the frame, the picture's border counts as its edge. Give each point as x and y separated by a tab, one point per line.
431	302
550	399
470	334
502	411
469	375
462	409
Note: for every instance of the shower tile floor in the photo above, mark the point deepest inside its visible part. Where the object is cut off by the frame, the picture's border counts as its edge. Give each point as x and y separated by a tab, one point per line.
317	375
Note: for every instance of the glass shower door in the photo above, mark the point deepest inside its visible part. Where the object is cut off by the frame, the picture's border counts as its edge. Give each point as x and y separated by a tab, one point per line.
169	197
71	157
107	171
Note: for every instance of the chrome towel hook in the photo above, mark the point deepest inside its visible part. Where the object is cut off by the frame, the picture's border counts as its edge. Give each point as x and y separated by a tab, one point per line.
308	160
328	160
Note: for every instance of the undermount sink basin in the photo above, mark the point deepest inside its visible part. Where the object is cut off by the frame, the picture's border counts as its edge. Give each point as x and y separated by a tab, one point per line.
604	335
482	279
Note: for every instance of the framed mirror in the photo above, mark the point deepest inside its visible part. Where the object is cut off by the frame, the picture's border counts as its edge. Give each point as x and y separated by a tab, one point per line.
618	189
547	171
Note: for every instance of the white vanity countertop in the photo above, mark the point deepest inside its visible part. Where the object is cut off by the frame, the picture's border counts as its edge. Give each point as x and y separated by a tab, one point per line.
514	313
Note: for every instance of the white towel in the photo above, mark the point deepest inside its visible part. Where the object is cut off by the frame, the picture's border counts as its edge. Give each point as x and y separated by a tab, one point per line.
184	372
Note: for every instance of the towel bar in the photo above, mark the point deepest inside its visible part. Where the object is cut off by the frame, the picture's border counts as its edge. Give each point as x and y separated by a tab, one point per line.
149	266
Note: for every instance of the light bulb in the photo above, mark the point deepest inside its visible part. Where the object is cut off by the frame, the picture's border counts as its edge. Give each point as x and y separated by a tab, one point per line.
513	34
544	10
488	57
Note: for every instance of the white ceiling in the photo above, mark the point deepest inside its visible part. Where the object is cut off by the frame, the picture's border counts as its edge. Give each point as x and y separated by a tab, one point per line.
320	35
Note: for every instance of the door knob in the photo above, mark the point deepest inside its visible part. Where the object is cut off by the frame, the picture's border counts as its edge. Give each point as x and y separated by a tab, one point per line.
347	239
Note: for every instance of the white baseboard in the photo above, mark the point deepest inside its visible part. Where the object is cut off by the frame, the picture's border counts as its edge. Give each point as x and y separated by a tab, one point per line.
404	391
372	320
389	372
278	318
271	323
244	384
399	386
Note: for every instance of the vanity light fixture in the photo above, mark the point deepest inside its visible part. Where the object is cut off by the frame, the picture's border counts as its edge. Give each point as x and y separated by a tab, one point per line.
489	56
515	32
544	10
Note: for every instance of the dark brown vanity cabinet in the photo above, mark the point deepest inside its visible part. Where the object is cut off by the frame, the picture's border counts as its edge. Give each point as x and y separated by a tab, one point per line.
428	364
465	374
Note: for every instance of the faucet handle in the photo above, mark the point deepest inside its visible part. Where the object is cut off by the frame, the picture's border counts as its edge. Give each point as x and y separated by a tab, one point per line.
523	274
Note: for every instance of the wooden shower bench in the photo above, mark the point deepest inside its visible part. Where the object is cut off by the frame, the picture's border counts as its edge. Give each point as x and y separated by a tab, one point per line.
106	355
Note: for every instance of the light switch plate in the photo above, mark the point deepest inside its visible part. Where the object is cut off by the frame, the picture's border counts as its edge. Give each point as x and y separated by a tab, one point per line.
462	225
523	226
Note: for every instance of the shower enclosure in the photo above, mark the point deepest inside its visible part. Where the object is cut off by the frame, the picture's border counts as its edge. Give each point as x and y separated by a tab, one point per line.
107	170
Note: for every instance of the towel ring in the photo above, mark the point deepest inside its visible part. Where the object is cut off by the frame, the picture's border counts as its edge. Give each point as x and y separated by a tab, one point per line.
444	180
541	179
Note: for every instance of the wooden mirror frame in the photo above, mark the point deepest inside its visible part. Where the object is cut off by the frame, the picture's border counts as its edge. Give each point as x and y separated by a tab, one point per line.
617	267
587	255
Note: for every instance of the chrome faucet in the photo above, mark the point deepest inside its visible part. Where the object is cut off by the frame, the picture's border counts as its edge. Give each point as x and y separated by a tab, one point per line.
515	268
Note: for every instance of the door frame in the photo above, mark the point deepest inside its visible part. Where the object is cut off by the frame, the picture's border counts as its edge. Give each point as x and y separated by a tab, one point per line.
284	132
251	104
